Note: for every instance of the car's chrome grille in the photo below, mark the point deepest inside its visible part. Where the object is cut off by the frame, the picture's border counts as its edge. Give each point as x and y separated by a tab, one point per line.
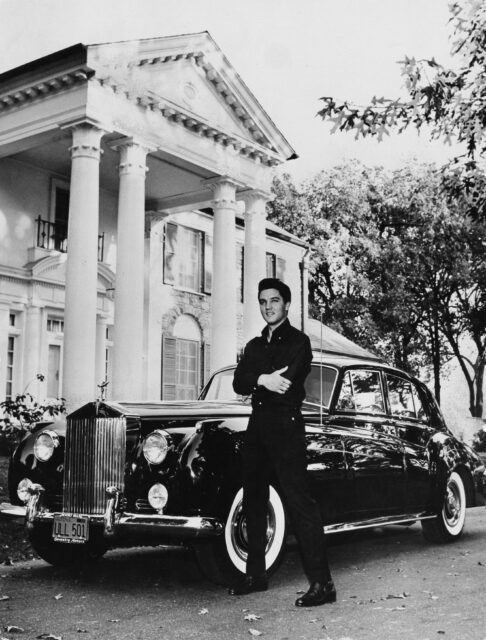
94	459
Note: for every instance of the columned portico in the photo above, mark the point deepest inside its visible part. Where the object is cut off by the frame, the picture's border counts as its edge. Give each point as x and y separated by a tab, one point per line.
255	265
223	302
82	267
129	287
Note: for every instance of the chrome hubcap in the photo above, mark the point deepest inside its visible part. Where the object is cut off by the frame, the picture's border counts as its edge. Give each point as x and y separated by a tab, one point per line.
452	506
239	537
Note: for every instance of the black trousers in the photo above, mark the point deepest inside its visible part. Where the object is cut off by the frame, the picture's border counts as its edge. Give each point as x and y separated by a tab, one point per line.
275	444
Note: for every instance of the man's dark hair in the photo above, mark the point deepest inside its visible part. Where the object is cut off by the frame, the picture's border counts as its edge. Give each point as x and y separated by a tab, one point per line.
275	283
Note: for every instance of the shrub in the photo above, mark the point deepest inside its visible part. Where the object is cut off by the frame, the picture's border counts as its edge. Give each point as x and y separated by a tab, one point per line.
479	440
20	415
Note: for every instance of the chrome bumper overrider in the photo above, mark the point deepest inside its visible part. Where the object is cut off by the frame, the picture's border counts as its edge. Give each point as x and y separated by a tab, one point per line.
120	524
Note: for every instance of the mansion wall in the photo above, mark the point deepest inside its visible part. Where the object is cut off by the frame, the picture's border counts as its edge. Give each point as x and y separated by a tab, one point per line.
177	292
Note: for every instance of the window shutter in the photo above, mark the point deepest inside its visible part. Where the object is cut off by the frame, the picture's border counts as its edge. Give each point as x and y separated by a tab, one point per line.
280	268
208	263
168	368
170	244
206	362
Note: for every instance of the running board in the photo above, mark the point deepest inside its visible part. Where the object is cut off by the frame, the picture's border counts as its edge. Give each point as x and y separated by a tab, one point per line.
378	522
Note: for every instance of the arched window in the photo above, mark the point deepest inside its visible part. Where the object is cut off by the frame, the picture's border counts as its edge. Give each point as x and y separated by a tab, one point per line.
181	360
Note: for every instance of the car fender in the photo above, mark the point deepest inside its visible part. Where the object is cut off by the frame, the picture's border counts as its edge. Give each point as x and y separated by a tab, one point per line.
211	464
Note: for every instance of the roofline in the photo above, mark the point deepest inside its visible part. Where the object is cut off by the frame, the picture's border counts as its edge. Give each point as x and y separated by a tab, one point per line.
75	54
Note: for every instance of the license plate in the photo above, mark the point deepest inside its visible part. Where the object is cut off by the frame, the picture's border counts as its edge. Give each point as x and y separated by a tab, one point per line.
70	529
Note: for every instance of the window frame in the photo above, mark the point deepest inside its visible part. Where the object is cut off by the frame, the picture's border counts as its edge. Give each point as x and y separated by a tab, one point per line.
356	411
204	259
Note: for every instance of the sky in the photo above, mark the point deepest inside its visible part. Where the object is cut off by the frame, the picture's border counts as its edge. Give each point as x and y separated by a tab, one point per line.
288	52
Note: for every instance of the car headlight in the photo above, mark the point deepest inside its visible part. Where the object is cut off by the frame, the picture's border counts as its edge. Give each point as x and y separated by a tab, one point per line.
155	447
44	445
158	496
24	489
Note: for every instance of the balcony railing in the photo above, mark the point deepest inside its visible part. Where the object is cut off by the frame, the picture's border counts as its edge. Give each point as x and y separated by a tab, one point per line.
53	236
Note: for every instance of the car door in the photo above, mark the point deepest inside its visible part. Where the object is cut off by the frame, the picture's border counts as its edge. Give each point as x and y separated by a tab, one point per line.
373	450
326	464
413	427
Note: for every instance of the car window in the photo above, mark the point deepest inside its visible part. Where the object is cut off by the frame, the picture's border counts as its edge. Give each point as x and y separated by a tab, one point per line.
400	396
221	387
361	391
404	398
419	407
319	385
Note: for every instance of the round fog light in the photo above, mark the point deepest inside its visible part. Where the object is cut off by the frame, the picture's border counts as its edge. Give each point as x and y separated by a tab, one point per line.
44	445
23	489
158	496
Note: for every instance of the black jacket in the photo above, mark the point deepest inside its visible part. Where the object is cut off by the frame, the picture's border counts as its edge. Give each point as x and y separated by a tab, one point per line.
287	347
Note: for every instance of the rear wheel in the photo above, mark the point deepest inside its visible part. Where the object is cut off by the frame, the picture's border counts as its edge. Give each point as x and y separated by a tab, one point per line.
61	554
223	560
448	525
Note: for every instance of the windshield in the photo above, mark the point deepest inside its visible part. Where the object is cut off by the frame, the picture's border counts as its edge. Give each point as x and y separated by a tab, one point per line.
220	386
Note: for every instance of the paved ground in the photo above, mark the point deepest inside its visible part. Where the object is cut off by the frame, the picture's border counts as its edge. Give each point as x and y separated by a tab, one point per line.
391	585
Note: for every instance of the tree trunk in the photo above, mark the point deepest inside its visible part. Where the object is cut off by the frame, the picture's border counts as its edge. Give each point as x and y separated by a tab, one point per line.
477	409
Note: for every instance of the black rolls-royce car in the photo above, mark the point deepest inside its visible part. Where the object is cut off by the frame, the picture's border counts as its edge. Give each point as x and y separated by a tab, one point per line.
121	473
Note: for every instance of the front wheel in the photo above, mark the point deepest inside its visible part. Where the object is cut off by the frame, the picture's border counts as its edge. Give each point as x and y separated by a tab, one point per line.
61	554
448	525
223	560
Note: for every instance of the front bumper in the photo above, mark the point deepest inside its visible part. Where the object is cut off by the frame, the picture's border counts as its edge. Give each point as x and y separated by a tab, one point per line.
121	525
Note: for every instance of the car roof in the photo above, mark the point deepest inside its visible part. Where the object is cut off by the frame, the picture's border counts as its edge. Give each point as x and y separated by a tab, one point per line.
340	361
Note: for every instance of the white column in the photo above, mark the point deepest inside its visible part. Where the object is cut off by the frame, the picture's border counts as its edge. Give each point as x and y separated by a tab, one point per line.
4	328
129	285
223	297
32	349
255	262
82	269
101	324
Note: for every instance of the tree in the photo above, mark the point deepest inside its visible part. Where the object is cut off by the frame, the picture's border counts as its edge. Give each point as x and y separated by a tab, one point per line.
393	267
449	102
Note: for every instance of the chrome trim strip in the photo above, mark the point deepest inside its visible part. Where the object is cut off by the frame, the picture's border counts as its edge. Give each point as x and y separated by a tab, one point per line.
12	510
197	526
378	522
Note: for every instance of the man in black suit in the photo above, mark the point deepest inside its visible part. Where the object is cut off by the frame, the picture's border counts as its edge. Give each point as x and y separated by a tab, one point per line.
273	369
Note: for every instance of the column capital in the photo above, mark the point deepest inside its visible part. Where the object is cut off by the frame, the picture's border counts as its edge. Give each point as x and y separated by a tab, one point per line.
224	190
133	154
255	201
86	140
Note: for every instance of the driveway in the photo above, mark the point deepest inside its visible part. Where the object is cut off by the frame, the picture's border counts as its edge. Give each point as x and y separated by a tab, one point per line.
391	585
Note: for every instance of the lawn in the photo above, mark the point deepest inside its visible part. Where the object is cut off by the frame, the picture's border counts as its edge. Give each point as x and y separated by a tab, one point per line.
14	544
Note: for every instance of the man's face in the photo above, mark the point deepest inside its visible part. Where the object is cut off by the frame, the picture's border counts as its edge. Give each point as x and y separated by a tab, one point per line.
272	307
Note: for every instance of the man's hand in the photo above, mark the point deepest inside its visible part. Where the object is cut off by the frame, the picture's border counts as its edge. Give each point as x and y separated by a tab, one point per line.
275	381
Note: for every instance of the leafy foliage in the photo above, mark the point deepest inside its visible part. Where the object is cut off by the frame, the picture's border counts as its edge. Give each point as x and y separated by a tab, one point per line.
479	441
450	103
392	266
22	413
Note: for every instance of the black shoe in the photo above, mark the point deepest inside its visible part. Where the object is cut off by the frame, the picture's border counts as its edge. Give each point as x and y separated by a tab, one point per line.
319	593
248	585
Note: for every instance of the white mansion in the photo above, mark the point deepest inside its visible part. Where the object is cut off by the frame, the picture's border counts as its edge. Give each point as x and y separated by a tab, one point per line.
133	183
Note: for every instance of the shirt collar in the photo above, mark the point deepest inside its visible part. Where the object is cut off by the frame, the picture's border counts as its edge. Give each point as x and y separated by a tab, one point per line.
279	333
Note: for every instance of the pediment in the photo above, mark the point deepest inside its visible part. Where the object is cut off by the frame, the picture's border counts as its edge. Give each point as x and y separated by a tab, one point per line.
190	75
